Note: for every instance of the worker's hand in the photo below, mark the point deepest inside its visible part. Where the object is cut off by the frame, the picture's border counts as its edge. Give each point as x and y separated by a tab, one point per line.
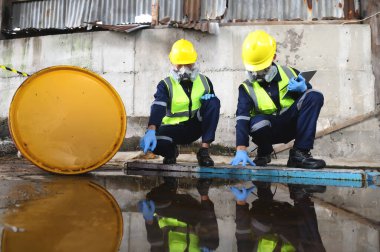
147	208
241	194
207	96
297	85
148	141
242	156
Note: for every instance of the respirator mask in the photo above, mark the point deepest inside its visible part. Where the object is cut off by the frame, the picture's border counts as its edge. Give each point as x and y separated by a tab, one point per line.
185	73
266	75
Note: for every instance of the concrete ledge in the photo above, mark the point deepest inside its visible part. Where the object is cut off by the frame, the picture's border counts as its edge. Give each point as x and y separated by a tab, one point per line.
338	177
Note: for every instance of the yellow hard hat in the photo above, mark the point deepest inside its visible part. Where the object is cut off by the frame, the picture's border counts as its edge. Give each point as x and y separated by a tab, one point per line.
258	50
183	53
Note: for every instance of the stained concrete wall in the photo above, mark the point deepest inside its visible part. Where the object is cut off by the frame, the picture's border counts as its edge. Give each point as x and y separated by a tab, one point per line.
134	64
367	9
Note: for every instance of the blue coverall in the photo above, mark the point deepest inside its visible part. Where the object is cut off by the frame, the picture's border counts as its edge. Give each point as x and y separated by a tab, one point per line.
298	122
203	125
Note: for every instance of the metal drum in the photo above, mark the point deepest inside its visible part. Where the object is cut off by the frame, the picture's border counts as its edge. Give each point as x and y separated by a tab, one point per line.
67	120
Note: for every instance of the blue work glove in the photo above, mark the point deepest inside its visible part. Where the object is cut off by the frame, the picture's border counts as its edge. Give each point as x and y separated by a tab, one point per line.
241	194
207	96
148	141
147	208
242	156
297	85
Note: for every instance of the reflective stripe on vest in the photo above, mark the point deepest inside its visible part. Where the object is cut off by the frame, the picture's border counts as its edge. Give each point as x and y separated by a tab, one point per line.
263	104
178	108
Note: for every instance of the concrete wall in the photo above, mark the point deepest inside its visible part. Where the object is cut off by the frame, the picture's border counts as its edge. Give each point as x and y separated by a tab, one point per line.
368	8
134	64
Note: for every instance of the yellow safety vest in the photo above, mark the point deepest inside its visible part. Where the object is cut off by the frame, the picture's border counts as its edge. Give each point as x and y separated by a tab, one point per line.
268	243
177	235
263	104
178	108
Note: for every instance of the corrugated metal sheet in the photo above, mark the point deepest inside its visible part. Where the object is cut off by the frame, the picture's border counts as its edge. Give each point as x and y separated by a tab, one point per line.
192	10
62	14
289	10
211	9
172	9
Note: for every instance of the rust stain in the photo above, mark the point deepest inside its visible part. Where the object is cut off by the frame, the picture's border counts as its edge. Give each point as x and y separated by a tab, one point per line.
349	9
310	4
192	10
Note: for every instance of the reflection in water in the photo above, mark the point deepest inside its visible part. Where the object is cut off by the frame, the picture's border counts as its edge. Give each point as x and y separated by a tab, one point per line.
77	215
178	222
272	225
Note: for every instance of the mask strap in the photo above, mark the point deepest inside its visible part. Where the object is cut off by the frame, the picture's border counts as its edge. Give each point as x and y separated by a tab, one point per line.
194	73
175	75
272	72
251	76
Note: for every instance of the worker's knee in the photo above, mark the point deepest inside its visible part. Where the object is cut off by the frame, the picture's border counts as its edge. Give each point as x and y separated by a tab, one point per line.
312	98
316	97
260	126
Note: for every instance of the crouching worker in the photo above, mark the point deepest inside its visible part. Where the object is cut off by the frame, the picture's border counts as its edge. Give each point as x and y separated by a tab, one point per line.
273	225
275	105
185	108
179	222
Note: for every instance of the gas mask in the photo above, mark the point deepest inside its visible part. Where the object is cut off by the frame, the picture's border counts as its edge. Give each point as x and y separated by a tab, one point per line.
184	73
267	74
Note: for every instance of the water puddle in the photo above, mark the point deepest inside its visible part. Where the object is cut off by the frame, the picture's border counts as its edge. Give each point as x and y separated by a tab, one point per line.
117	212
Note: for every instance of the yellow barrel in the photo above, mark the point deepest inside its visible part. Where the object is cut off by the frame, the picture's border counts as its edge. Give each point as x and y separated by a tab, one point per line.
74	215
67	120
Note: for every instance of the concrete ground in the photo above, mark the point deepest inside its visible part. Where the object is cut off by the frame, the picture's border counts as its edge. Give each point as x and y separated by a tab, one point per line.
11	166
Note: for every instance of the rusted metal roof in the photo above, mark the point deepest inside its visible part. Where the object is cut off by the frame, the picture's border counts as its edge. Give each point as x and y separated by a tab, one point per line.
63	14
307	10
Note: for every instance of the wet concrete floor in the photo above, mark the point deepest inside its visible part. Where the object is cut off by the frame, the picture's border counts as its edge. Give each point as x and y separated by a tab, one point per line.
108	210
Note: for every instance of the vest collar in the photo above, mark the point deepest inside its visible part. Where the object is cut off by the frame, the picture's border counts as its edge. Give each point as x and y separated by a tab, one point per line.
277	78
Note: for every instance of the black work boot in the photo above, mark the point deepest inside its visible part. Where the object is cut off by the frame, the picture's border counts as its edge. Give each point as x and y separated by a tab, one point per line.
263	190
169	160
303	159
172	160
203	185
299	192
204	158
262	160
